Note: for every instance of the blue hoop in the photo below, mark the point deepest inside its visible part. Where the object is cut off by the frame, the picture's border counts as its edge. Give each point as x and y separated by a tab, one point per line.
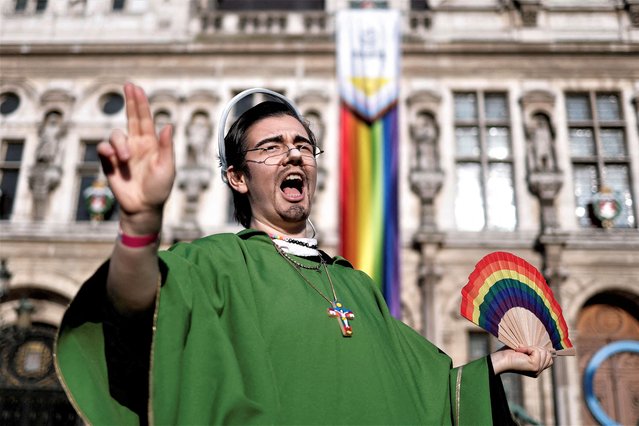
595	362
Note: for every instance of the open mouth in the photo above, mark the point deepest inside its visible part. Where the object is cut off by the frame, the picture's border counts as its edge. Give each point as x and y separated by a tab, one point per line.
293	187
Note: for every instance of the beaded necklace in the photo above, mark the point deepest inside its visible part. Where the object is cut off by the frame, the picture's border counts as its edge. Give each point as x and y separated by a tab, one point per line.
312	244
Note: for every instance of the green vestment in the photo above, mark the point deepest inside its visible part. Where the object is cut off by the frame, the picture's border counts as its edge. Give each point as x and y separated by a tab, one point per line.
240	338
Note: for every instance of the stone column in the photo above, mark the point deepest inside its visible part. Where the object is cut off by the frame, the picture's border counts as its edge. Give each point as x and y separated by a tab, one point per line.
552	246
426	179
545	180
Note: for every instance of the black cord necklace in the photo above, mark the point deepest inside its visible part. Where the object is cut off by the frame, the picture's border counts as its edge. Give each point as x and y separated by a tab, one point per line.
337	310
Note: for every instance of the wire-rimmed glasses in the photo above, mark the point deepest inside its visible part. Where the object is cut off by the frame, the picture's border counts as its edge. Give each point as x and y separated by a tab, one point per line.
272	154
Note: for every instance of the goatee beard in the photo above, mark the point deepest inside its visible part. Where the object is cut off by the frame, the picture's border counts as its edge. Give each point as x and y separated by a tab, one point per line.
296	214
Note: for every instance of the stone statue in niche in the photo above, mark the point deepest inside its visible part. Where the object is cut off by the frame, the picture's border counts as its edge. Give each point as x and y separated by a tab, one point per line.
544	177
47	171
424	132
541	149
317	126
194	177
198	135
426	177
161	119
51	131
77	7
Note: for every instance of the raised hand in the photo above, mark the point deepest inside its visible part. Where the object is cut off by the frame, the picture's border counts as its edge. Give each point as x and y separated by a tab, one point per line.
529	361
139	166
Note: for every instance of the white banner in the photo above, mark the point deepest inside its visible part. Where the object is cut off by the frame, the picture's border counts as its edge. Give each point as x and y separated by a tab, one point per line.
368	50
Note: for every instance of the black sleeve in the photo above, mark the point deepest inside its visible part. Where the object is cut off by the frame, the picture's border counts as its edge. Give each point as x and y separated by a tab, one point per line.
127	348
498	401
127	340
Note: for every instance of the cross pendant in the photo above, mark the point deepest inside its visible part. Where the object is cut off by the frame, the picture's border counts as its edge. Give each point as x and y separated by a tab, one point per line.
343	315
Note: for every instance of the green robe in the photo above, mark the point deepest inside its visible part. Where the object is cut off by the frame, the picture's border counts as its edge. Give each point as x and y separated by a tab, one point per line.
240	338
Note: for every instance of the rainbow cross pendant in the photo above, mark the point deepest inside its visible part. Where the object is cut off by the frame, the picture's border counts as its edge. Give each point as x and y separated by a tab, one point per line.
343	315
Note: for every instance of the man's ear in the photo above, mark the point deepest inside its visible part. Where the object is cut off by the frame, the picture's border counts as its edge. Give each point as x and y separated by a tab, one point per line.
237	180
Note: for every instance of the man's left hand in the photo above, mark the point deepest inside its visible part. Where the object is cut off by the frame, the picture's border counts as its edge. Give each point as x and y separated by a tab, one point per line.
529	361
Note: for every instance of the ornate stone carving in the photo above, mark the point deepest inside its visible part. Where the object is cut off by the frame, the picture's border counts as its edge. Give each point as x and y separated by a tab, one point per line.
47	171
426	176
198	136
527	9
195	176
540	143
192	180
50	133
160	119
546	185
632	6
544	176
425	133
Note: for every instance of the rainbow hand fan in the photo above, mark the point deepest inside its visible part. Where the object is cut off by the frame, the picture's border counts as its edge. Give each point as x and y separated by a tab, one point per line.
509	298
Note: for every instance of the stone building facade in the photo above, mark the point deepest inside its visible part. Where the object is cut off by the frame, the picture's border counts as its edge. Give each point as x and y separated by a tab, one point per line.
519	124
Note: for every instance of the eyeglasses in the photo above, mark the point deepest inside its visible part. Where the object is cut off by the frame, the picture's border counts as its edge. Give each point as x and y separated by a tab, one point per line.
272	154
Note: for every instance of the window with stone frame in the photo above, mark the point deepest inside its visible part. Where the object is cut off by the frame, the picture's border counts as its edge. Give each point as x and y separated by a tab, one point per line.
10	162
88	171
599	156
419	5
481	344
485	192
118	5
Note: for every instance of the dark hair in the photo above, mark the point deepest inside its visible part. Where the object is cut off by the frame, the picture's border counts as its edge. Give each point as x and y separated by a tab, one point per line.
235	144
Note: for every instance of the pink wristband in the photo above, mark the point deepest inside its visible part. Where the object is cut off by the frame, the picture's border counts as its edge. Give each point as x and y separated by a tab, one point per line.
136	242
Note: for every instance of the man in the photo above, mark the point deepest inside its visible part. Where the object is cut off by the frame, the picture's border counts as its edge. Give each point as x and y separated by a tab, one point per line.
256	327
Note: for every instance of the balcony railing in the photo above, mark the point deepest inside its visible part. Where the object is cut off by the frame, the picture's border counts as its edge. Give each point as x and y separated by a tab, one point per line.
267	22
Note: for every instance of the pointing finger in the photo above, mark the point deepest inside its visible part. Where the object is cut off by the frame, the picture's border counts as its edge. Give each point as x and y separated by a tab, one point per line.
166	145
119	143
133	121
146	126
105	149
106	154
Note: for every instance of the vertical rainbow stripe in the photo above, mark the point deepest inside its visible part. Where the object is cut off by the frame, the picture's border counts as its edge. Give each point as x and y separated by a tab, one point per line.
368	47
368	197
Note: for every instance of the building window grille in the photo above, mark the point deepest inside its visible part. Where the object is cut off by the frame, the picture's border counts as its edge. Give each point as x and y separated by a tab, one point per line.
484	167
11	155
88	172
599	156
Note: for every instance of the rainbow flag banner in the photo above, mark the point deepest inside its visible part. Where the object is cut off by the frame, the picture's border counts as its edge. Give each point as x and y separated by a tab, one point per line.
368	51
